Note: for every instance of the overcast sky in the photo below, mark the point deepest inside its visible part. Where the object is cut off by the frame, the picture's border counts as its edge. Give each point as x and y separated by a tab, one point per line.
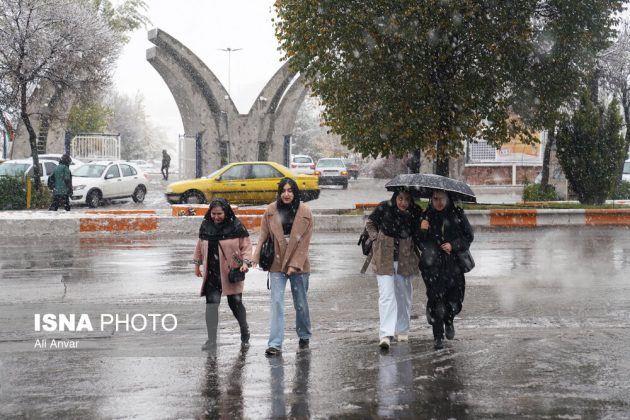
203	26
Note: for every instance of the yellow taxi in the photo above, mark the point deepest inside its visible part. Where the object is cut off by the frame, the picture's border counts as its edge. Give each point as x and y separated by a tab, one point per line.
241	183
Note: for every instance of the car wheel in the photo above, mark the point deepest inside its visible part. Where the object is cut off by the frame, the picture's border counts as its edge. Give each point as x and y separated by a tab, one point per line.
139	194
94	198
193	197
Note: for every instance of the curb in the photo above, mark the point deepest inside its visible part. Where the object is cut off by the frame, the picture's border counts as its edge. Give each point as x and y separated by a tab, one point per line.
21	224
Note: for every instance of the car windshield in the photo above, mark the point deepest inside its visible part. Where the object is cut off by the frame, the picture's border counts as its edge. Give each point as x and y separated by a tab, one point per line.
89	171
626	168
13	169
330	163
302	159
213	173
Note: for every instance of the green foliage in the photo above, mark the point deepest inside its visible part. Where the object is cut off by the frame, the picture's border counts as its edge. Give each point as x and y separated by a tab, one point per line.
88	118
12	193
124	18
535	192
405	75
590	149
622	192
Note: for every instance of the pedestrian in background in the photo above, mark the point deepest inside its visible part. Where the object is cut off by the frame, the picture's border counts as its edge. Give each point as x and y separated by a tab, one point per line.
393	227
290	223
223	244
61	182
166	163
445	228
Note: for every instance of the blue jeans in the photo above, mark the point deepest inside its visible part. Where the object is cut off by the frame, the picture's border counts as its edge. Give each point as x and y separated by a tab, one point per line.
394	303
299	289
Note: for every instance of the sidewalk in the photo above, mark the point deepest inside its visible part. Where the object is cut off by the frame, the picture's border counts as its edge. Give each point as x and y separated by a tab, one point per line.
164	222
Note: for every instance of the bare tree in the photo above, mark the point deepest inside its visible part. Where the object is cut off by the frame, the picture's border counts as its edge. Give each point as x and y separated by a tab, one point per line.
60	44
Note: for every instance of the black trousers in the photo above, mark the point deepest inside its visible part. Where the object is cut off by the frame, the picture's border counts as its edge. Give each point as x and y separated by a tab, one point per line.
165	172
235	302
445	296
60	200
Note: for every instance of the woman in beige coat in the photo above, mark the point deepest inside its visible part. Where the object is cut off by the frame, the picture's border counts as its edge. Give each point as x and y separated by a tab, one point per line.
290	223
223	244
393	226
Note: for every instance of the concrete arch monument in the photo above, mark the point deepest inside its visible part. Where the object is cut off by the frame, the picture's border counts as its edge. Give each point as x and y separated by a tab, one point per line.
207	110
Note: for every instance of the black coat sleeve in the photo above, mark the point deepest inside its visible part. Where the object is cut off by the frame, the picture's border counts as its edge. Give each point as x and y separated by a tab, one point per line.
466	234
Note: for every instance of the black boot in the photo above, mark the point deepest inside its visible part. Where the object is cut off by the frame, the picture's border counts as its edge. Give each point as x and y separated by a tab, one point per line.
449	329
212	325
437	343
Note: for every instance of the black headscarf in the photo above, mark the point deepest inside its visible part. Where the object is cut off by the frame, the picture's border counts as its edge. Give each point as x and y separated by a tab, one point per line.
288	211
230	228
394	222
444	222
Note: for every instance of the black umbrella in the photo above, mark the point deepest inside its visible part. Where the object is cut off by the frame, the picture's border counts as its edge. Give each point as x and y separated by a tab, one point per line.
423	185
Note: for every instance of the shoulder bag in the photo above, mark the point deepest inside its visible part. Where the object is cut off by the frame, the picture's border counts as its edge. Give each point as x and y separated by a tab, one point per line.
235	275
267	254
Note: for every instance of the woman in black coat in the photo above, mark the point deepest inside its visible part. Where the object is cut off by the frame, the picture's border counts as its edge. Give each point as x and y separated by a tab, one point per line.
445	231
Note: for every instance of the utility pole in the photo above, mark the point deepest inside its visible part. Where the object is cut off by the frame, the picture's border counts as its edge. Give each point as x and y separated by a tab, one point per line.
229	51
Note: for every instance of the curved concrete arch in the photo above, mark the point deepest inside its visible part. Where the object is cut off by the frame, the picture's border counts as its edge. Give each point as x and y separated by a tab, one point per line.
197	91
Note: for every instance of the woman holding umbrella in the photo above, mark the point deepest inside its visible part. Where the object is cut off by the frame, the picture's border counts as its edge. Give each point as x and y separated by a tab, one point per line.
445	228
393	226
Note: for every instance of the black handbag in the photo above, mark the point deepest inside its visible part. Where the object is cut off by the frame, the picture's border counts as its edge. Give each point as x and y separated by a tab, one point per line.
466	261
266	254
235	275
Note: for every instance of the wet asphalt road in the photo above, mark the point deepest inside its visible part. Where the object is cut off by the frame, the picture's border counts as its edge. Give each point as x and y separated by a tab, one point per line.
544	333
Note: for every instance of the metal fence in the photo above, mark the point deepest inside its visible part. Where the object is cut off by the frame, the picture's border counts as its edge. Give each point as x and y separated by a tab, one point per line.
481	152
95	147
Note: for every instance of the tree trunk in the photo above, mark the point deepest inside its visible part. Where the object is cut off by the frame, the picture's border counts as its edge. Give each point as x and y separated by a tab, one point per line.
551	138
595	86
441	166
32	138
625	103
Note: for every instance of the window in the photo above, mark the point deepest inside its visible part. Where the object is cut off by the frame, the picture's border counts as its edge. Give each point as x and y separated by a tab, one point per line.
127	170
302	159
112	172
236	172
265	171
31	172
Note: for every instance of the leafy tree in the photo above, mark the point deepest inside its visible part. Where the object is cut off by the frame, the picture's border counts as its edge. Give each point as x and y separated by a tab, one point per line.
589	147
88	118
139	138
397	76
60	42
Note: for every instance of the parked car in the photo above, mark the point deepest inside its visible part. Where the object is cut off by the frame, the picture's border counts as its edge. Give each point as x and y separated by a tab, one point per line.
626	171
142	164
96	181
24	167
332	171
302	164
241	183
57	157
353	168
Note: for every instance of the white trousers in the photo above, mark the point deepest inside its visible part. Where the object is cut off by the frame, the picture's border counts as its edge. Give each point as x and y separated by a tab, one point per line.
394	303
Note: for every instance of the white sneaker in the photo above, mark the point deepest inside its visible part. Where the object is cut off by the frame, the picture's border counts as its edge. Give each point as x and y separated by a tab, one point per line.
384	343
402	337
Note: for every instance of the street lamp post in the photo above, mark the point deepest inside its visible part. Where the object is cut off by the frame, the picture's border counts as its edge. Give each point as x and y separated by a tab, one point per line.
229	51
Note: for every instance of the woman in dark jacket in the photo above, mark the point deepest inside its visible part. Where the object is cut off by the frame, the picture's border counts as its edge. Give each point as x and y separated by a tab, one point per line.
445	232
223	244
393	227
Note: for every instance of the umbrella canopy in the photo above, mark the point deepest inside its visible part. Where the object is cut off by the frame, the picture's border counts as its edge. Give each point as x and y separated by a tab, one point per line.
423	185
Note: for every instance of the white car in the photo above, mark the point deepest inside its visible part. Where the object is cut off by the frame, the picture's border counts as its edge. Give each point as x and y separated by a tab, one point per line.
100	180
57	157
24	167
626	171
332	171
302	164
